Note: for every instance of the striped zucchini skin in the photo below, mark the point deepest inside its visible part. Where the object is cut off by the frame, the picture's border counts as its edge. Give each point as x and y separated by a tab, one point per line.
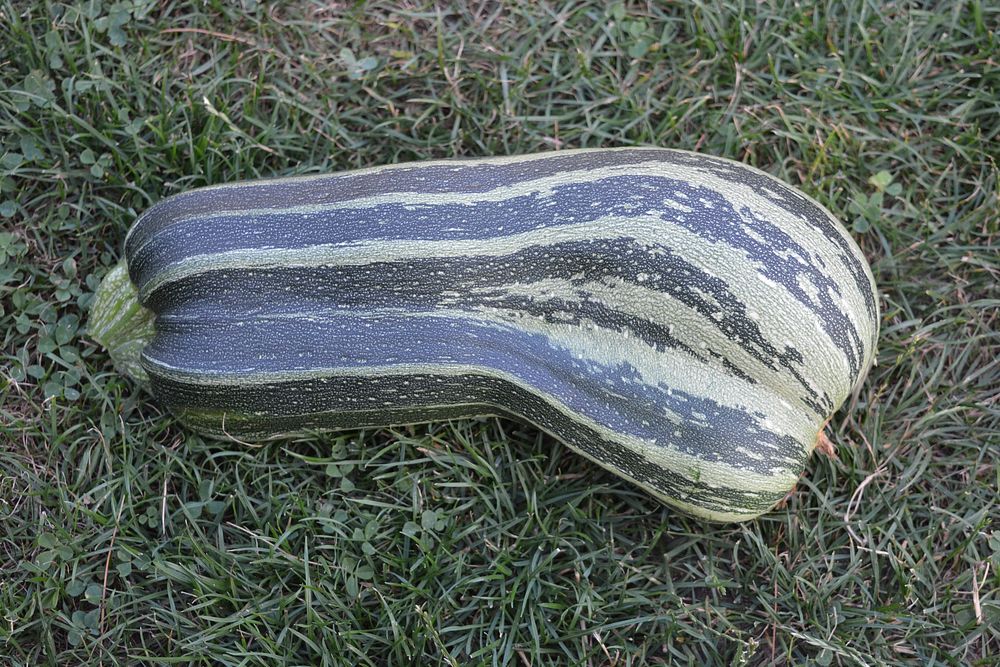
688	322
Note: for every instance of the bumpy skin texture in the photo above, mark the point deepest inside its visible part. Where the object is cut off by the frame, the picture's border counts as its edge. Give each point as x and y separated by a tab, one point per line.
687	322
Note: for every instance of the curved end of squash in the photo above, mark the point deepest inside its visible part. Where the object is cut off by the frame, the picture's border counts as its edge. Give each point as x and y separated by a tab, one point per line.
120	323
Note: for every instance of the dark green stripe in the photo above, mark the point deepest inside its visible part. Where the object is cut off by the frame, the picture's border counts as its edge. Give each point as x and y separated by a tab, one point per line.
672	484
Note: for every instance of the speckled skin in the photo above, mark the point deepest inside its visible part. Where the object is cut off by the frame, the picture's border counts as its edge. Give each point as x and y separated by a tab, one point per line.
687	322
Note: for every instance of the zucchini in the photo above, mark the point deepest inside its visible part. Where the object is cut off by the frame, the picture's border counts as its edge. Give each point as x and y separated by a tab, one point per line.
687	322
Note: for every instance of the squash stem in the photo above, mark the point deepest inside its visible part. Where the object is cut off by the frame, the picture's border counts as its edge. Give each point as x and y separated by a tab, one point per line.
121	324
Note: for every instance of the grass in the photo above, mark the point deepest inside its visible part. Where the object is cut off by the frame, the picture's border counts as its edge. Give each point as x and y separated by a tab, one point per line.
127	540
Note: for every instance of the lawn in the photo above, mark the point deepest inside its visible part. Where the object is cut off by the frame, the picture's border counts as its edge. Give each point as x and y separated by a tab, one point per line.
125	539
